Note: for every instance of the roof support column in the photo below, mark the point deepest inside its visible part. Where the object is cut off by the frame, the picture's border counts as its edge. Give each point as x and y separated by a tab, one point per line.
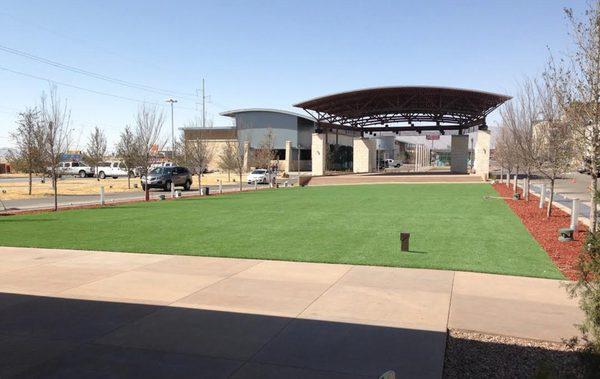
459	154
364	155
482	154
318	154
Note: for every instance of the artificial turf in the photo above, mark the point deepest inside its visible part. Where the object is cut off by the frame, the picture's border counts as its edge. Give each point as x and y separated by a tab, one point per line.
452	226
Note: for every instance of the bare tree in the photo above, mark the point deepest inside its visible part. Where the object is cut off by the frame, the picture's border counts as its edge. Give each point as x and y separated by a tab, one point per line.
235	156
577	84
96	148
196	154
56	120
265	153
520	117
553	137
148	129
28	140
504	149
227	158
128	151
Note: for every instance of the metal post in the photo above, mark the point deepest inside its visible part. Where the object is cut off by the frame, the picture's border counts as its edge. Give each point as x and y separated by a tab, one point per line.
575	214
256	184
508	179
172	190
172	101
299	147
220	187
102	195
542	195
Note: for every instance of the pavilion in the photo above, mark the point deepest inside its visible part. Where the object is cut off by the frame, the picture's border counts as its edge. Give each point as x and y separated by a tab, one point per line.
410	109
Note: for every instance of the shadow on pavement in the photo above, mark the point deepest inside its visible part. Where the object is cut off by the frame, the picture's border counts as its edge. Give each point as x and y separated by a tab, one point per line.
68	338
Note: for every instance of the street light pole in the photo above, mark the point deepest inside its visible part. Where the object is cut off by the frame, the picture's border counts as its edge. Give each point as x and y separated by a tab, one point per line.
172	101
299	147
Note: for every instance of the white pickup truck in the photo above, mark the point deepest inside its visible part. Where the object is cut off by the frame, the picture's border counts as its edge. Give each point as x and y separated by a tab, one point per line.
73	168
114	169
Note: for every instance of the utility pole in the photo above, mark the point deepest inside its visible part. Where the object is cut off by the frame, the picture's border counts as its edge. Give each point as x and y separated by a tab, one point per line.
172	101
203	105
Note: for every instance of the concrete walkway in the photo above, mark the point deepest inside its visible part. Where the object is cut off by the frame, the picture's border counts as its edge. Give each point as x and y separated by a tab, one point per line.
92	314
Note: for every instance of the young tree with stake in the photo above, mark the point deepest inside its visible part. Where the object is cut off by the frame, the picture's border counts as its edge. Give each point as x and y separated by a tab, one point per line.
29	140
197	154
96	148
148	128
129	151
56	120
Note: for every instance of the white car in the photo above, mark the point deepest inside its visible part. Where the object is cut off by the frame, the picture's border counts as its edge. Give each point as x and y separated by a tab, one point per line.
73	168
393	163
259	176
112	168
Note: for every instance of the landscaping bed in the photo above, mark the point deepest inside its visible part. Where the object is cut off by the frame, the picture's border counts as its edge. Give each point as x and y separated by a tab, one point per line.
477	355
545	230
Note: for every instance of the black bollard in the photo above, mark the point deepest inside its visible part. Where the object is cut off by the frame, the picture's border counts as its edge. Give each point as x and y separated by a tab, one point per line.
404	237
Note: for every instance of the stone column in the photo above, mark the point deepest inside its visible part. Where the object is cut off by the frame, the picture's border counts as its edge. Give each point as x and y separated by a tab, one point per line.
459	154
482	154
318	154
288	156
364	155
246	156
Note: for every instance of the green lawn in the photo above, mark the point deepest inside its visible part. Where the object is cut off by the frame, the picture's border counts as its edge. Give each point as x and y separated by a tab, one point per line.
451	226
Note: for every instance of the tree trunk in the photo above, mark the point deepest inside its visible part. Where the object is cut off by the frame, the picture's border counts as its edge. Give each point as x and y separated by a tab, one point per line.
199	183
593	205
55	185
551	199
229	176
128	180
30	181
527	184
240	181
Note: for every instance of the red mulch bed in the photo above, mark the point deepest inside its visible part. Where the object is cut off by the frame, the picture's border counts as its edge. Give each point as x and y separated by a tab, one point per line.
545	230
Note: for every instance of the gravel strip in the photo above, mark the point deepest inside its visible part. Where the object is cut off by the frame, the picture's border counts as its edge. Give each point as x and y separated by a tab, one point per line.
476	355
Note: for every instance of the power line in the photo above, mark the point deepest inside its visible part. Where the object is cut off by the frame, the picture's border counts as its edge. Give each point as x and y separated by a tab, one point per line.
92	74
86	89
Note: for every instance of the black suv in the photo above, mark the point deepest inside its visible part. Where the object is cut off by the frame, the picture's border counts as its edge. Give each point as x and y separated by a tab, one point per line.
162	177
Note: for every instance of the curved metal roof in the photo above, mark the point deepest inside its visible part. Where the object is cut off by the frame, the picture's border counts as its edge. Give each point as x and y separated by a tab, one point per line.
447	108
234	112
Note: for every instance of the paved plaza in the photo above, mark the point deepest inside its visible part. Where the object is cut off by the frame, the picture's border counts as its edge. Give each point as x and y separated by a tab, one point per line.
90	314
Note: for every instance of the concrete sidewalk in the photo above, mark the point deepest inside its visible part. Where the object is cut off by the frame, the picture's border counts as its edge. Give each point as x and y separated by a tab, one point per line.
80	314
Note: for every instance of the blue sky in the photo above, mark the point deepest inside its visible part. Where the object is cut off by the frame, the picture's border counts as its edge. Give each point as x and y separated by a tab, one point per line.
268	54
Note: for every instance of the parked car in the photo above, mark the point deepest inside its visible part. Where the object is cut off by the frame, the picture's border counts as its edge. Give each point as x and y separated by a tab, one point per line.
111	168
259	176
392	163
73	168
162	177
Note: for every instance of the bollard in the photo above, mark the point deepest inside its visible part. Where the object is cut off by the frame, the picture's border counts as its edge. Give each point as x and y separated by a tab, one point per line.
515	184
172	190
542	195
220	187
404	237
256	184
102	195
575	214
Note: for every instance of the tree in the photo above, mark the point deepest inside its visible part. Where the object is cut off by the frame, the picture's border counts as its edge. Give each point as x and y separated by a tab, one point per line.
28	140
504	149
519	116
554	139
56	120
227	158
265	153
577	85
197	154
128	151
96	147
234	157
148	129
